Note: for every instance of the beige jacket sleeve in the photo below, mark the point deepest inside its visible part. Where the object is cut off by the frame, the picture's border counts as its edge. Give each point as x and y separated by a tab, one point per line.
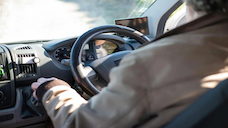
123	103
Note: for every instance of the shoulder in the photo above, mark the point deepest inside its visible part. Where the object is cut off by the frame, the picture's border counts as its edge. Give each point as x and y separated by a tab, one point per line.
189	43
177	52
168	47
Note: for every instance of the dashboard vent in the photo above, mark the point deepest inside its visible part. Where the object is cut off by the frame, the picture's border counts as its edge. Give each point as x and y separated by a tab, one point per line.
27	68
25	55
24	48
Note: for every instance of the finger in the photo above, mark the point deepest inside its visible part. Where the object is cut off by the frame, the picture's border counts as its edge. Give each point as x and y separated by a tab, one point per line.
52	78
34	94
35	85
41	79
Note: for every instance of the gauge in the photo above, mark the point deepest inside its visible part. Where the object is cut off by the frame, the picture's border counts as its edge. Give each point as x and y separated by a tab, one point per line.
89	57
62	53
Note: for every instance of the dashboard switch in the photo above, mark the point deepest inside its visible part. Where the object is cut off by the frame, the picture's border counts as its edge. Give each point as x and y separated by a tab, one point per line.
36	60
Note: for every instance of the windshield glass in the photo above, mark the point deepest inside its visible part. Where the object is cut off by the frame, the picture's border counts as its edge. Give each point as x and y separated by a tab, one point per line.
22	20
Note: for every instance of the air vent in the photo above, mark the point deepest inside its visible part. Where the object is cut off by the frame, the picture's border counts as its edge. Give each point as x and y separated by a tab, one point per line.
27	69
24	48
26	55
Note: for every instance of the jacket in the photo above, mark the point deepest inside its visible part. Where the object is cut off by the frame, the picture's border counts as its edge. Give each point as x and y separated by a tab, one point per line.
152	84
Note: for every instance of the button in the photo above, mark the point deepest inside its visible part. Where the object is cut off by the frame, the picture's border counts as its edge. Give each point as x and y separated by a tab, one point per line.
36	60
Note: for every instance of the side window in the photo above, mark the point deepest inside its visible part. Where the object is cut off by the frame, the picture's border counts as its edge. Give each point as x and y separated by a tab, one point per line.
177	18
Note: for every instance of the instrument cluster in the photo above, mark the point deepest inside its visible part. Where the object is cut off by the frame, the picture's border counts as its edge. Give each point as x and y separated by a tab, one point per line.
91	51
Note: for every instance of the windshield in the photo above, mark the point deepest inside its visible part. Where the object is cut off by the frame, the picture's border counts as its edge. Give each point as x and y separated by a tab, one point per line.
22	20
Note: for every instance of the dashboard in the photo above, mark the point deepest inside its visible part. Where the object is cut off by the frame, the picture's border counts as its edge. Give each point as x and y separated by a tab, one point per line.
22	64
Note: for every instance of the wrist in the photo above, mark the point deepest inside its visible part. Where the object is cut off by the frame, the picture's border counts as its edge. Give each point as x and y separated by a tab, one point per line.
43	88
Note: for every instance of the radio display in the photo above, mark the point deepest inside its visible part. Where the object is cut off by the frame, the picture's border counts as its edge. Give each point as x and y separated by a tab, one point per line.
139	24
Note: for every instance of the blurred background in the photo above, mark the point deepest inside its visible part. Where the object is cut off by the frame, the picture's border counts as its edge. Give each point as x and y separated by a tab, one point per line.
22	20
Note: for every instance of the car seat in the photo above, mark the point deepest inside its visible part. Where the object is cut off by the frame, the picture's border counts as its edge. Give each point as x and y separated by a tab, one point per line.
209	111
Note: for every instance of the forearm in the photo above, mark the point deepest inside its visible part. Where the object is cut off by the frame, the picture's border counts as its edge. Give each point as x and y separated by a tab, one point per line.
108	109
123	103
60	101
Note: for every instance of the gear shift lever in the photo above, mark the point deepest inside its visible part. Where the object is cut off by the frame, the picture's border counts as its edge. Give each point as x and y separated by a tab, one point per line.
31	106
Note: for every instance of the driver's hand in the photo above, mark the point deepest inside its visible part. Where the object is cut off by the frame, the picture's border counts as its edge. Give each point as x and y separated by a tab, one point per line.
40	81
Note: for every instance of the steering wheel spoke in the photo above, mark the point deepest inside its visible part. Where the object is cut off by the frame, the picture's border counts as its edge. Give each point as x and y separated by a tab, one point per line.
95	79
89	72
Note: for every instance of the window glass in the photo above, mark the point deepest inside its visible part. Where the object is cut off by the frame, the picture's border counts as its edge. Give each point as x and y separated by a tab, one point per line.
177	18
23	20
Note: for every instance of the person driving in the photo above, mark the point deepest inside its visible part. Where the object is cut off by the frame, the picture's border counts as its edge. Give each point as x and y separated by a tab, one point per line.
154	83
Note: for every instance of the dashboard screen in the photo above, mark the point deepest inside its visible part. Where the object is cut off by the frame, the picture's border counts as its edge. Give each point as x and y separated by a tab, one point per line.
139	24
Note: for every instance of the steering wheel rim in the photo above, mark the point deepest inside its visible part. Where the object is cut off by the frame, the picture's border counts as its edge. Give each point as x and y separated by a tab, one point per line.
80	73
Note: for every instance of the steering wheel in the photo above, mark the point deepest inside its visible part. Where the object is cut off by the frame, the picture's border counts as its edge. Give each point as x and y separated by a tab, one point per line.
86	76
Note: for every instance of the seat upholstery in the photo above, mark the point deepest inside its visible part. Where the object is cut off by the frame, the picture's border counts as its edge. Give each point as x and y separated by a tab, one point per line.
209	111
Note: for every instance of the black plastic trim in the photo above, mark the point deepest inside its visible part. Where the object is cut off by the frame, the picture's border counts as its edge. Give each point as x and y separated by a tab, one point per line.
161	24
6	117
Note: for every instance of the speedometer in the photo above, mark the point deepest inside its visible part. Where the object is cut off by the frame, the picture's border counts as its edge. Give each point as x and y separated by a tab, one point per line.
62	53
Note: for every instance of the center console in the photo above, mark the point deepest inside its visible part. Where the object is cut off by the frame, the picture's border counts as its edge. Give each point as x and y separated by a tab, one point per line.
18	108
7	86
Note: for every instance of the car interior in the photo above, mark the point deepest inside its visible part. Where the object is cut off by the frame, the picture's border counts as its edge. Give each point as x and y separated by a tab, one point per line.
85	62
